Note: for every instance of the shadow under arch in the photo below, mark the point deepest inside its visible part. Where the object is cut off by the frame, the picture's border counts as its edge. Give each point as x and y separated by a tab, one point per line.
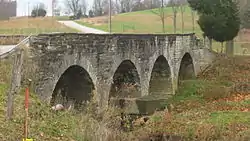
186	70
126	82
160	81
74	86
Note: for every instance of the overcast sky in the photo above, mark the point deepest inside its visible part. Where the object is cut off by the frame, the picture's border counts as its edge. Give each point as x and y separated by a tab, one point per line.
23	6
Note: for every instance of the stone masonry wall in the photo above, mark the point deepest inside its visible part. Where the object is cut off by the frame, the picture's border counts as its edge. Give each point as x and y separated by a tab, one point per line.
100	56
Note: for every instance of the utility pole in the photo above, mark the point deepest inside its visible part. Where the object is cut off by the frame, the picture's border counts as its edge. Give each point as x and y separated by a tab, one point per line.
28	9
52	12
28	14
52	2
110	22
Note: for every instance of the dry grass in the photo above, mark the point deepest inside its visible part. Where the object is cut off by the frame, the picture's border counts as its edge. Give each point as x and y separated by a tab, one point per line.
196	114
11	39
32	26
45	124
5	69
205	109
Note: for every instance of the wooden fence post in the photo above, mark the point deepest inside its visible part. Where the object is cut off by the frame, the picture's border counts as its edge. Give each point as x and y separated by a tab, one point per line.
15	82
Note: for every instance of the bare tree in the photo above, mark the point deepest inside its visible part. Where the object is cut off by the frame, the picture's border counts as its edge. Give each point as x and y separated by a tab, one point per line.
98	7
127	5
182	8
175	7
150	4
193	16
117	6
105	6
161	14
73	6
84	6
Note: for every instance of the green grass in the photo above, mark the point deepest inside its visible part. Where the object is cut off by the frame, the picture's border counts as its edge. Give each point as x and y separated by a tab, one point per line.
148	22
62	18
196	90
227	117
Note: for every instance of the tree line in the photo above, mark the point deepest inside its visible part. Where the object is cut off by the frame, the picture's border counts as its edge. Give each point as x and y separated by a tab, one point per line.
101	7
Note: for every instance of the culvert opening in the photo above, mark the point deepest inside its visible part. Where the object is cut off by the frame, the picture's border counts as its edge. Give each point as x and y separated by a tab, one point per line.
73	89
186	71
160	81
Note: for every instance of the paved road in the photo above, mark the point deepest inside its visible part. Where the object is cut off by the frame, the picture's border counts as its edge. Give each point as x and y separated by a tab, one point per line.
82	28
6	48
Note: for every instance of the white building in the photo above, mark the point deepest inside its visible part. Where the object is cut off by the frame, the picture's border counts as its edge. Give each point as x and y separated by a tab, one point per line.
24	7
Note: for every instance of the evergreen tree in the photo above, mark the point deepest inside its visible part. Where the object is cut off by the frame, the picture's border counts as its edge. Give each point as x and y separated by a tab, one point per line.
218	19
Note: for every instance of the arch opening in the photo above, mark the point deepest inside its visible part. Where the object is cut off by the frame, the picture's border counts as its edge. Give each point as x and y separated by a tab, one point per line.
74	88
186	71
126	81
125	86
160	82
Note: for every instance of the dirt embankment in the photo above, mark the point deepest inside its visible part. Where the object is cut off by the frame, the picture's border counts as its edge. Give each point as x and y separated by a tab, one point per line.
233	72
234	69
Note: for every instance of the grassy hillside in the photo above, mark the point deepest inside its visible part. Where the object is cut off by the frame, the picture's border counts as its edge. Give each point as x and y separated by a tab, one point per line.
32	26
143	22
148	22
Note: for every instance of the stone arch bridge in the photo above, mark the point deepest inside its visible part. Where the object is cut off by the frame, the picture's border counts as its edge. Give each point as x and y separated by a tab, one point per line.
132	66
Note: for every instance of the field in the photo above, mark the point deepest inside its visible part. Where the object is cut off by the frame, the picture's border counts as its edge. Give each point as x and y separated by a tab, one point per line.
143	22
28	26
148	22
